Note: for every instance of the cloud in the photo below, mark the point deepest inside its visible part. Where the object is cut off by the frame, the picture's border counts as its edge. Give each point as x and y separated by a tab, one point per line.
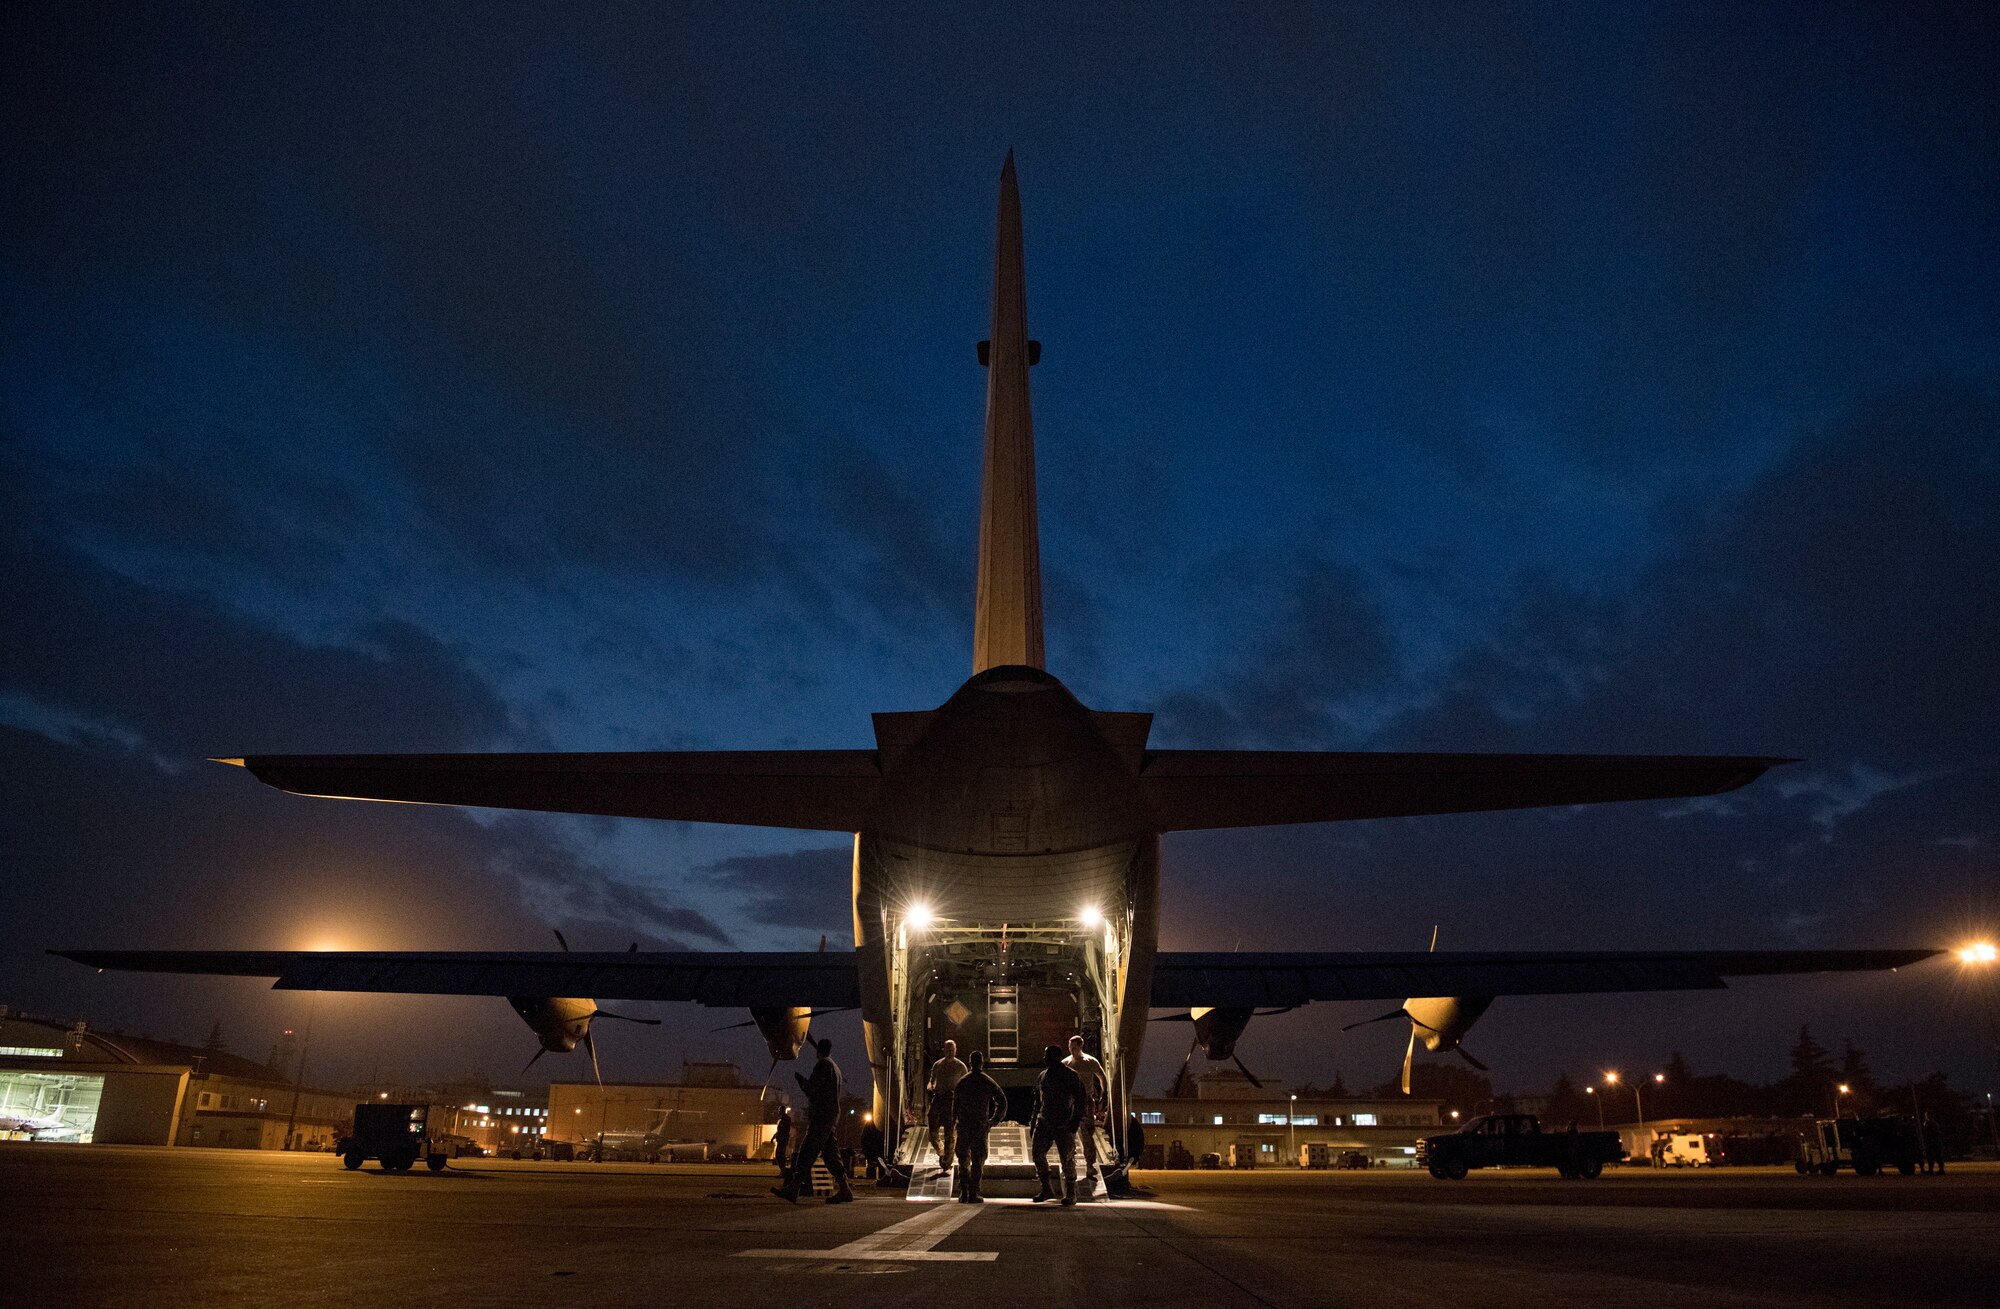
191	677
811	890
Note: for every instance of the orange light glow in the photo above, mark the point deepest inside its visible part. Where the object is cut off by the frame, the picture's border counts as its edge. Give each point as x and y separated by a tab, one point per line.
1979	952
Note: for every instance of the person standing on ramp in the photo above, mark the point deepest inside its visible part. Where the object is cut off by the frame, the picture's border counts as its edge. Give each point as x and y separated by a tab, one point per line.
1061	1102
1098	1087
977	1104
822	1115
944	1079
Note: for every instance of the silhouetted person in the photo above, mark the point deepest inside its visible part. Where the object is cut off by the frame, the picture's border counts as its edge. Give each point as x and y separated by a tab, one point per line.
944	1078
872	1144
1135	1138
782	1142
1931	1134
822	1091
977	1104
1061	1103
1097	1087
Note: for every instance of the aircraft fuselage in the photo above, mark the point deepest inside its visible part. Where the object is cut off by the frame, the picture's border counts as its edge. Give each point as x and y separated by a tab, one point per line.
1010	864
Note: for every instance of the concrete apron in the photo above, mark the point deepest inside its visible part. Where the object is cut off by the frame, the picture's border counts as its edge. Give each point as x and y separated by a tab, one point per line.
1010	1174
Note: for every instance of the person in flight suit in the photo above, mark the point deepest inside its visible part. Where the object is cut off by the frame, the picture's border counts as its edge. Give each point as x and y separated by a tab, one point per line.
1061	1103
822	1115
977	1104
1098	1087
945	1074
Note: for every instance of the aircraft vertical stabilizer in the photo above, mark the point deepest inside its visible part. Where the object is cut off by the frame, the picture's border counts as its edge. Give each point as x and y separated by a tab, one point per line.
1007	624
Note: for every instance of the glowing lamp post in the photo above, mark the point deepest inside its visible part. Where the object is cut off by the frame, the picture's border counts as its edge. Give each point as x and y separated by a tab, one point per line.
1596	1099
1291	1137
1639	1109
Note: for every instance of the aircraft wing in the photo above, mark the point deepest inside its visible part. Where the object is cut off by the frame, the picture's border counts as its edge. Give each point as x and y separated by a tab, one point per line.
1183	980
1187	790
718	979
820	790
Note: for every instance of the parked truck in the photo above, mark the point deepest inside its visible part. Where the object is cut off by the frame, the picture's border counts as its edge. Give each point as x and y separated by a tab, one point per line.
1867	1146
396	1134
1517	1141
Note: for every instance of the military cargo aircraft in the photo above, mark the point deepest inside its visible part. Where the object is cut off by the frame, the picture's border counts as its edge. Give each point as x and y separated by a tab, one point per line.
1006	876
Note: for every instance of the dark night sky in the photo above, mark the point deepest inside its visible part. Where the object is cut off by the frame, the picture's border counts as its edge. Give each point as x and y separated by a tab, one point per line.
1600	379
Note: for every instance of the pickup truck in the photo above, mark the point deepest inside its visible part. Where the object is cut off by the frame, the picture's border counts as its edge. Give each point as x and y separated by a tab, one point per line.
1517	1140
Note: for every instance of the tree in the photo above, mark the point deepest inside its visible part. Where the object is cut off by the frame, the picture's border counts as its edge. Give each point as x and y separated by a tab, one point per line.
1338	1091
1674	1097
1459	1087
1568	1103
1854	1070
215	1045
1809	1058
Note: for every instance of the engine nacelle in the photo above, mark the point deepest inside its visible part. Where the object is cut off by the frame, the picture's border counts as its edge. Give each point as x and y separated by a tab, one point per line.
560	1022
783	1029
1443	1021
1218	1030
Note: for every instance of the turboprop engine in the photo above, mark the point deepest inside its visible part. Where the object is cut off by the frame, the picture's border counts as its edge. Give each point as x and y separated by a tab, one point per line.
784	1029
1216	1032
562	1022
1440	1021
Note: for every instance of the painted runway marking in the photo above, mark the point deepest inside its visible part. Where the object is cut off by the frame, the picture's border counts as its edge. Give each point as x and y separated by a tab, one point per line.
910	1241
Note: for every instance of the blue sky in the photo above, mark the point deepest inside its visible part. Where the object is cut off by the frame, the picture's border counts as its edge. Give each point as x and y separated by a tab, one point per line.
1592	378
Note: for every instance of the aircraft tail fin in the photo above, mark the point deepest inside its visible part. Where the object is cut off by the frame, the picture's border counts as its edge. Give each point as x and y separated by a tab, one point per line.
1007	623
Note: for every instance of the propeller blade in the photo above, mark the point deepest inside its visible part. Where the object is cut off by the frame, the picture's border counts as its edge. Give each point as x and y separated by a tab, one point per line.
632	948
1272	1013
590	1044
1394	1013
538	1054
767	1079
1409	1055
559	939
1172	1018
1434	938
730	1027
624	1018
1238	1060
1181	1077
1466	1055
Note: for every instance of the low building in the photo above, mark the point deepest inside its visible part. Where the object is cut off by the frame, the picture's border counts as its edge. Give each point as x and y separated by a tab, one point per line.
62	1081
1226	1112
709	1113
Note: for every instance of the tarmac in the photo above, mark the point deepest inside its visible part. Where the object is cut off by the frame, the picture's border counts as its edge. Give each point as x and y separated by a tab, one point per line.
109	1225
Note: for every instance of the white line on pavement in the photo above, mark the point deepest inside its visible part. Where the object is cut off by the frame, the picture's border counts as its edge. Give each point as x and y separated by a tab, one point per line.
910	1241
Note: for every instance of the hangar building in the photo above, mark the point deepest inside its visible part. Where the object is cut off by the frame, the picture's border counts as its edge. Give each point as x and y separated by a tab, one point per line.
1226	1110
62	1081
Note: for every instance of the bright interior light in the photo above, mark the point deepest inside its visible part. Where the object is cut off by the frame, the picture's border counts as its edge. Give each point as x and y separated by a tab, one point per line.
1090	917
1979	952
917	916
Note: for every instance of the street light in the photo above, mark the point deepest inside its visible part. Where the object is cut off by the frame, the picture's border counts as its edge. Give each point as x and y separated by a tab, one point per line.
1291	1140
1591	1091
1611	1079
299	1074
